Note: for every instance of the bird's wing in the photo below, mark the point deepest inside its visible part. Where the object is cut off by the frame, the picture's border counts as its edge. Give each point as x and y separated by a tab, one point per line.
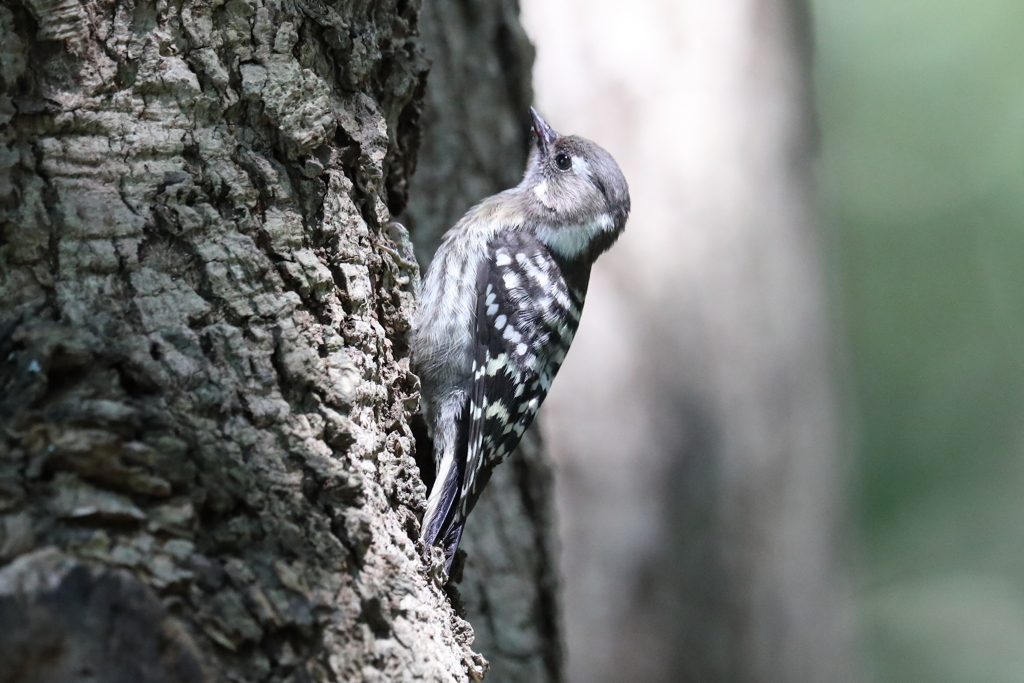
526	316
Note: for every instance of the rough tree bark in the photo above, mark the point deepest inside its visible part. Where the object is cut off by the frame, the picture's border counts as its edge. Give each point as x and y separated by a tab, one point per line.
206	466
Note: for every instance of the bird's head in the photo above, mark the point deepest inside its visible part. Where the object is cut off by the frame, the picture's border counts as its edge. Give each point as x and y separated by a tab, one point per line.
575	192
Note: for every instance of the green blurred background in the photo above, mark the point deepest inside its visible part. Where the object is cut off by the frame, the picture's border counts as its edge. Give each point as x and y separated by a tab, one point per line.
921	178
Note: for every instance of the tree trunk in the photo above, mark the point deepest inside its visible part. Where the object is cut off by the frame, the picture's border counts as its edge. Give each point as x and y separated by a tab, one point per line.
206	464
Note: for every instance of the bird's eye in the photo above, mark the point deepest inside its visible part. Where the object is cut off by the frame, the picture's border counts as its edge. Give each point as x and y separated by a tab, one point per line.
563	161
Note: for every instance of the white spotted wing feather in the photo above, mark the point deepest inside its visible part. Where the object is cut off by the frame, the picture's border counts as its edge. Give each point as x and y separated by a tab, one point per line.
526	317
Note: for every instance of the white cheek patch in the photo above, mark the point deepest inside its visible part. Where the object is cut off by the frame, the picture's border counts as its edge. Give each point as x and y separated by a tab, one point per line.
541	190
580	166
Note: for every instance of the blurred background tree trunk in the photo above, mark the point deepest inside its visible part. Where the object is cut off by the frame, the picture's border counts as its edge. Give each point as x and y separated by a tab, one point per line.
694	424
206	466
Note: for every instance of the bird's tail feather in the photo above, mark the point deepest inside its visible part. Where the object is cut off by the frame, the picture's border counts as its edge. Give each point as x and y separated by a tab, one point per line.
440	506
451	544
440	522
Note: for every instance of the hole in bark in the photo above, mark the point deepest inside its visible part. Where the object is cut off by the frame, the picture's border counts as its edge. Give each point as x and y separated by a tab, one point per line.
350	151
64	377
135	382
374	617
424	450
126	73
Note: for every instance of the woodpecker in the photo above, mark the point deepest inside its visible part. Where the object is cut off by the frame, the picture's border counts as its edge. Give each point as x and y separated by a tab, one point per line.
500	304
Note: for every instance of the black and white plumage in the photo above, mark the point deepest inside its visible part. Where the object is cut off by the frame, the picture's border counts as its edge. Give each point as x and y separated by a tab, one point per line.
500	304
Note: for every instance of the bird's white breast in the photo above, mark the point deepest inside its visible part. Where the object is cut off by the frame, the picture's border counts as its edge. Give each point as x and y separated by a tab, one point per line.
570	241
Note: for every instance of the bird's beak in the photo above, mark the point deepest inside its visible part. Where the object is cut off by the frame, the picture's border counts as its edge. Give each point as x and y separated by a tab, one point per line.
545	136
